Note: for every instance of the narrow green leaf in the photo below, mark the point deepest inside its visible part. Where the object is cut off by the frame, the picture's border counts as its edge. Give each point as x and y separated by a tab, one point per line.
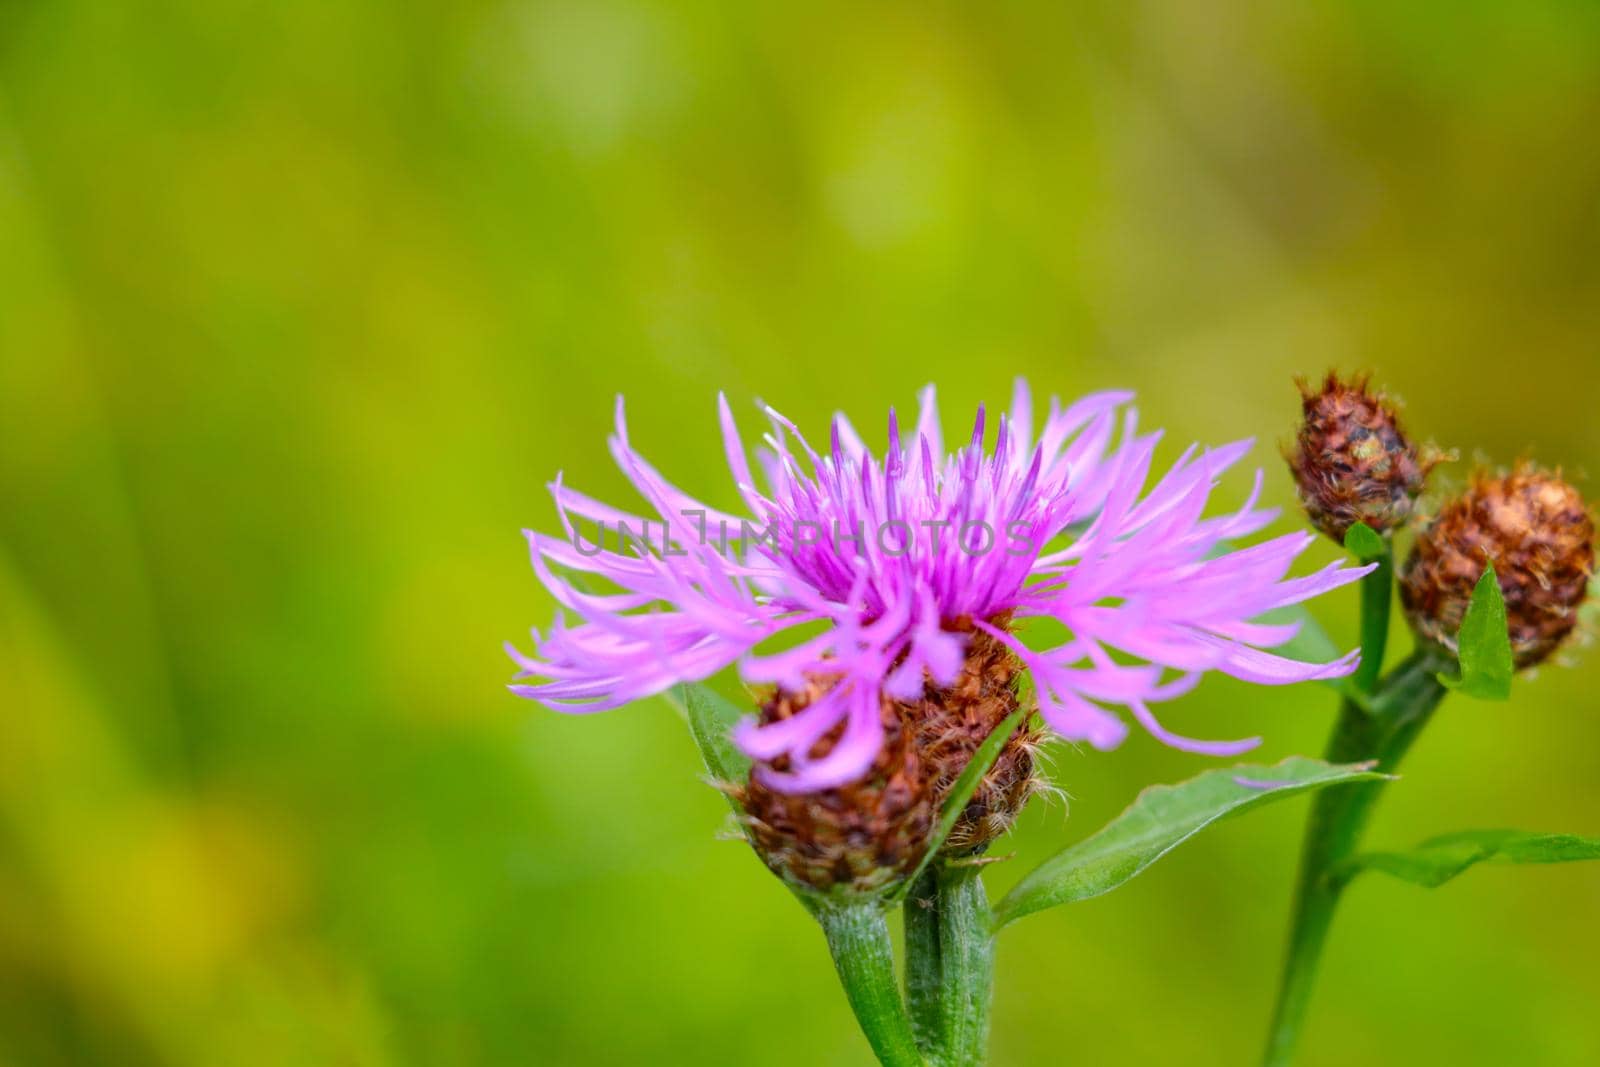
711	720
1436	861
1483	645
1364	542
1159	820
960	793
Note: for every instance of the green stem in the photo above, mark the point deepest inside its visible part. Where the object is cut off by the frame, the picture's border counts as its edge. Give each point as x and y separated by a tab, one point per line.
950	964
1339	815
858	938
1376	589
924	962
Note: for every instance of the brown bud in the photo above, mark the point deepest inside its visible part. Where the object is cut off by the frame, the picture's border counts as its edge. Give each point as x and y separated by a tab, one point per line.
1539	535
872	833
1352	462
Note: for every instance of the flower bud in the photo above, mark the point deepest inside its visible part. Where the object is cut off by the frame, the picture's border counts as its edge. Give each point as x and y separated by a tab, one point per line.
1352	462
873	833
1538	533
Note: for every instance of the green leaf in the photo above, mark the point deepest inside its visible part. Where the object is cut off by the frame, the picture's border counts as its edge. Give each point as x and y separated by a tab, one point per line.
1483	645
1436	861
711	720
1364	542
960	793
1159	820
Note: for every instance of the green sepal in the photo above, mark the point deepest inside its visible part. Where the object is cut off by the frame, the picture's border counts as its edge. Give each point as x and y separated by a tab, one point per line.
1483	646
1365	543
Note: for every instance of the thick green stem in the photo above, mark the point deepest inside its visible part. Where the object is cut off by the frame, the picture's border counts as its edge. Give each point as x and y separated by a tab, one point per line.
950	964
858	937
967	939
1376	589
1400	709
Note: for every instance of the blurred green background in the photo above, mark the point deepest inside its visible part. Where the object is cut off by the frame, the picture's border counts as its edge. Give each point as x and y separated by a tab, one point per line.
301	304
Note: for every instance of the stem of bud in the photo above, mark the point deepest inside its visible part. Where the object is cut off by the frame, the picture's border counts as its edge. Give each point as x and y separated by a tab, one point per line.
1376	592
1401	707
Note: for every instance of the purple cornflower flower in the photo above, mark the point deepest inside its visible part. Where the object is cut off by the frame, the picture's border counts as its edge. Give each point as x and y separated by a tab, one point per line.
880	564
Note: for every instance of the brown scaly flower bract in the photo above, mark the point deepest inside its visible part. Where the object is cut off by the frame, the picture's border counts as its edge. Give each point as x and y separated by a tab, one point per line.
1351	460
951	724
1535	528
870	834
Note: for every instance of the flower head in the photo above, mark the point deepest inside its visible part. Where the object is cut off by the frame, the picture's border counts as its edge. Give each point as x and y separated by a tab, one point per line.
1352	462
854	579
1539	534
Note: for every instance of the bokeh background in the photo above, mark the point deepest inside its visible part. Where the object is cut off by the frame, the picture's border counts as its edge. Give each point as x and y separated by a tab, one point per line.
301	304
